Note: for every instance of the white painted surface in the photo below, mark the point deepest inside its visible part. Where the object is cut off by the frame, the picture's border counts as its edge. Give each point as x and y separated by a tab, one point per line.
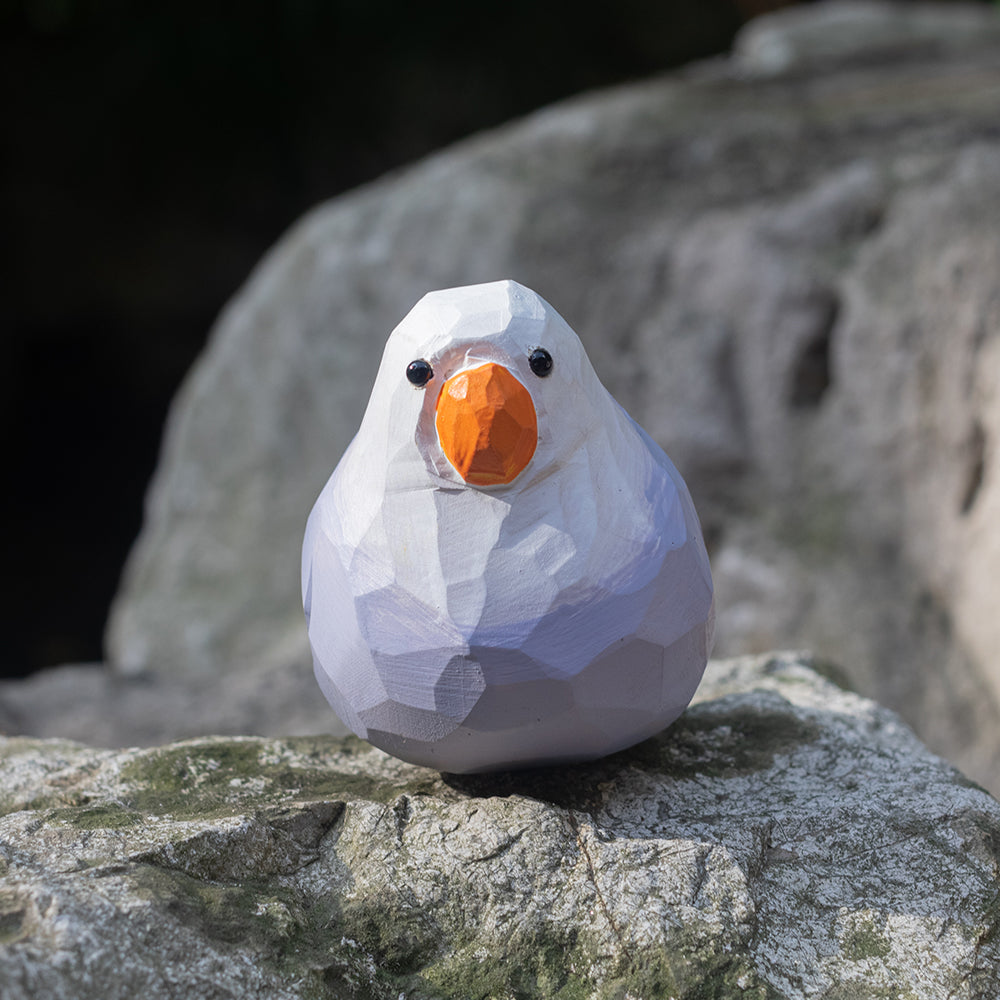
562	616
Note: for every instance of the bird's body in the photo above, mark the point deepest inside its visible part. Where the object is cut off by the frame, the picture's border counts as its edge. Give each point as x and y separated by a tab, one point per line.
504	570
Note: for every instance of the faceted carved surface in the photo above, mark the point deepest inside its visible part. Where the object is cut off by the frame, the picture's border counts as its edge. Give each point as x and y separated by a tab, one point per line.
561	612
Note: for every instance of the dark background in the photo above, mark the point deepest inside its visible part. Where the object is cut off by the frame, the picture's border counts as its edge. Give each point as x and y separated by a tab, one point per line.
151	152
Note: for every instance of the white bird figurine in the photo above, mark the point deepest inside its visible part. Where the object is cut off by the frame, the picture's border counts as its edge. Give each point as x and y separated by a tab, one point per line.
504	570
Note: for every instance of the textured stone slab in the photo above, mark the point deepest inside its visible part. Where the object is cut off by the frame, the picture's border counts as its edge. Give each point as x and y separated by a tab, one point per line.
785	838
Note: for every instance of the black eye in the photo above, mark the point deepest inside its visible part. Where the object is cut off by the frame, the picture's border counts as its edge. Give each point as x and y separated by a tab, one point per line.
419	372
540	361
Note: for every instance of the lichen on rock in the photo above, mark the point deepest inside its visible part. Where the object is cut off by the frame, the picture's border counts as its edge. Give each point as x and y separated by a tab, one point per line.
786	838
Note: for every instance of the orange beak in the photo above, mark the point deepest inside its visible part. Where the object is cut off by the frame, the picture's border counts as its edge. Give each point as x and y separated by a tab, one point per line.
486	425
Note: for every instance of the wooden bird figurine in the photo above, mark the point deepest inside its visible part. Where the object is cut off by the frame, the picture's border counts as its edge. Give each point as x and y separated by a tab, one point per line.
504	570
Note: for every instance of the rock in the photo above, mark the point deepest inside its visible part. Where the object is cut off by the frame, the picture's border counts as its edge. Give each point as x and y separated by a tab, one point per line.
853	30
784	838
88	703
784	268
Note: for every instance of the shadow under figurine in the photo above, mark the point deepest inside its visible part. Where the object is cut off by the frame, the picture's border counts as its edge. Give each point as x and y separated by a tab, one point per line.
504	570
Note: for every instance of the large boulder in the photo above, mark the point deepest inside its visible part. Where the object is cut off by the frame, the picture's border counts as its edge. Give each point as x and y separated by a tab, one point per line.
784	839
784	264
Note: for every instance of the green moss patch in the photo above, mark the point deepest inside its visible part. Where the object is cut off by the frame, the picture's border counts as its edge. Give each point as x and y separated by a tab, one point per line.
106	816
865	940
551	966
216	778
403	939
381	948
309	941
991	919
706	741
724	743
868	991
561	967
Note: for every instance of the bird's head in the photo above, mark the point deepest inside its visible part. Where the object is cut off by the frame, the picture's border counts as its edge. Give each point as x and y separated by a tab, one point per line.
483	386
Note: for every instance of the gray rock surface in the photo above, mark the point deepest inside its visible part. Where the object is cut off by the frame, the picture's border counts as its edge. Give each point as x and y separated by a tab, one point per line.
785	838
803	37
785	266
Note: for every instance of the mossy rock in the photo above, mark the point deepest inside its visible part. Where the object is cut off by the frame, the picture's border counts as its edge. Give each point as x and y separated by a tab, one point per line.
785	838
